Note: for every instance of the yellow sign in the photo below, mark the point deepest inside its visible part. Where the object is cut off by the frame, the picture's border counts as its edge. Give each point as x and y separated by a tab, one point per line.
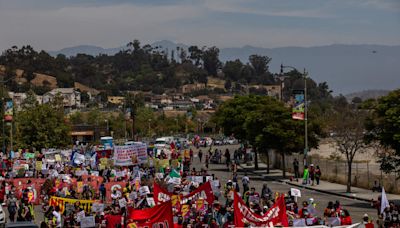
79	185
39	165
57	157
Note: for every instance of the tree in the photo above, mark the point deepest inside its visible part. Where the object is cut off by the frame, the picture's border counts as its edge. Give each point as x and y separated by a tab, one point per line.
259	64
30	100
211	61
196	55
265	123
42	126
348	127
232	70
383	127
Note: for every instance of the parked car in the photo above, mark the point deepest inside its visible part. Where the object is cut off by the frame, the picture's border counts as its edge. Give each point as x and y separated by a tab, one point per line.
218	142
230	141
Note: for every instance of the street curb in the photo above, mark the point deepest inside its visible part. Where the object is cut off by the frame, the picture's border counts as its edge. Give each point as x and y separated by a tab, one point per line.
307	187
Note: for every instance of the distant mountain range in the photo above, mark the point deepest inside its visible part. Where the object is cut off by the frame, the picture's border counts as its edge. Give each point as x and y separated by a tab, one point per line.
346	68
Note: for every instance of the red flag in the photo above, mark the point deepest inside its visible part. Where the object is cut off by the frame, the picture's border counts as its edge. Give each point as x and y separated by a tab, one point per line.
276	215
158	216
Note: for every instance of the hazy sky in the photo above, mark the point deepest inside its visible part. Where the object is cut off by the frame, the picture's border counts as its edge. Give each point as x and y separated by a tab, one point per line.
55	24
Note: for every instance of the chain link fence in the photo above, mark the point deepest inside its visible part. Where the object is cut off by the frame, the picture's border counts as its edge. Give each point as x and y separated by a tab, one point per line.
363	174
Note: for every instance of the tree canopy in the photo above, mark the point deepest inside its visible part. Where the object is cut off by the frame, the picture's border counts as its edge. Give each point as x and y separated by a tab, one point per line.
265	123
383	126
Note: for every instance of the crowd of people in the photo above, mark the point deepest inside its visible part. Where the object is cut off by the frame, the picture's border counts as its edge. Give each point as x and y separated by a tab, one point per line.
70	192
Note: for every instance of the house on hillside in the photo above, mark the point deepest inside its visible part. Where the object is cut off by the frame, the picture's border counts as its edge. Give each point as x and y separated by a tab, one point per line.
274	91
189	88
19	98
116	100
71	97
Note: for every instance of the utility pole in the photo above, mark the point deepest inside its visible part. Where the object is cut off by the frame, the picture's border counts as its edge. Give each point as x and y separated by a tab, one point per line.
305	118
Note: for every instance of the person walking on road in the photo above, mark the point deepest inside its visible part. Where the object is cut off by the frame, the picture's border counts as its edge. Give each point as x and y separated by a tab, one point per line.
12	206
296	169
245	183
200	155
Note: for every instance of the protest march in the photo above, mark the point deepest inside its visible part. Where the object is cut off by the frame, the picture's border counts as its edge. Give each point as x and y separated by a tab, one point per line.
140	186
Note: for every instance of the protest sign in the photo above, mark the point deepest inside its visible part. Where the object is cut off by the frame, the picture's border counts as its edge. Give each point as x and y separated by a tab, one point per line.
130	154
97	207
57	157
144	190
150	201
80	215
295	192
39	165
88	222
122	202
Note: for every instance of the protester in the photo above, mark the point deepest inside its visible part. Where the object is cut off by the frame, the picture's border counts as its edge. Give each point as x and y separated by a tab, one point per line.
85	185
245	183
317	174
305	175
296	168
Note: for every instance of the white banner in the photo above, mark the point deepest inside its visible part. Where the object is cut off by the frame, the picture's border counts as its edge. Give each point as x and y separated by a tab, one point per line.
130	154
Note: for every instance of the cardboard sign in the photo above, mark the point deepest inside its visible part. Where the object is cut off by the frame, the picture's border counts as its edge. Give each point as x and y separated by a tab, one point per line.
39	165
97	207
57	157
150	201
88	222
295	192
144	190
80	215
175	180
122	202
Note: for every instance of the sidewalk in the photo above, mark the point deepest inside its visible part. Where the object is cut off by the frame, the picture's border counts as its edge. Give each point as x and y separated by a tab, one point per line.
324	186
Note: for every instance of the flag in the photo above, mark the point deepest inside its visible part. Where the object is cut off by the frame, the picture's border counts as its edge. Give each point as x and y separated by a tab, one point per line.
158	216
384	200
174	173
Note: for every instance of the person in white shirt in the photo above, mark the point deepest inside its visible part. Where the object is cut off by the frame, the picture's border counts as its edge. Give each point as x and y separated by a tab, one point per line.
57	215
245	182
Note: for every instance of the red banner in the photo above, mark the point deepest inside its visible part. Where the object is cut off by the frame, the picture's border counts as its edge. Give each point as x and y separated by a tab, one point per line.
276	215
34	193
158	216
111	186
204	191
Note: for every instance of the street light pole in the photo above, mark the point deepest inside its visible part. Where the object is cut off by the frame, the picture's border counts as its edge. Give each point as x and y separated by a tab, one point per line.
305	118
304	74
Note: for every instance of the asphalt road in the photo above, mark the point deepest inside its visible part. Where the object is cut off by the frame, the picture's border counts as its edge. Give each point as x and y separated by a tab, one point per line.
356	208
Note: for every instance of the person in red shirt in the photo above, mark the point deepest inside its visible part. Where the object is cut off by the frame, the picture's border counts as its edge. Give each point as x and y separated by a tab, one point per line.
345	218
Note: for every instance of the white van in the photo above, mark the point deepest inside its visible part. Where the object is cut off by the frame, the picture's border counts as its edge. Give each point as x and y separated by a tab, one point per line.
163	142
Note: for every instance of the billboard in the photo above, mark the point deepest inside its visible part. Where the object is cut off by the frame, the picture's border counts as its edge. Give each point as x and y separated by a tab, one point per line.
299	105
